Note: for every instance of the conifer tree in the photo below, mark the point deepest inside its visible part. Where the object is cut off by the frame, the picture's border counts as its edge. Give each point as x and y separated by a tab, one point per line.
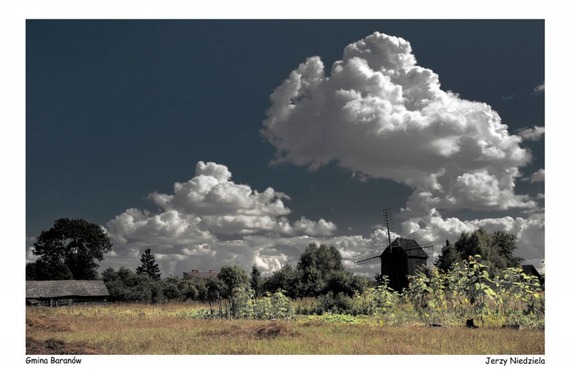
255	280
148	265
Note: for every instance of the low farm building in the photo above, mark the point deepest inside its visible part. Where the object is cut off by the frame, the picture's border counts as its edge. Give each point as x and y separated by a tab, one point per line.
65	292
195	273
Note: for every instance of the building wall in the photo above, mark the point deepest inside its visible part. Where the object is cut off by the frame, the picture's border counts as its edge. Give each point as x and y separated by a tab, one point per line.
65	301
398	266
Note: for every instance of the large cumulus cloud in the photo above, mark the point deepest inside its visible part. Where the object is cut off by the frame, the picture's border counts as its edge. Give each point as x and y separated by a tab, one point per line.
209	221
382	115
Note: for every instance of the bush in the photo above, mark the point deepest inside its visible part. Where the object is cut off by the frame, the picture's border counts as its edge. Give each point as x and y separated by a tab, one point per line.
334	303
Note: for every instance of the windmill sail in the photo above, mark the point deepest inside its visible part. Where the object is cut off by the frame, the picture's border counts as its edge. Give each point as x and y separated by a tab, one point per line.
408	246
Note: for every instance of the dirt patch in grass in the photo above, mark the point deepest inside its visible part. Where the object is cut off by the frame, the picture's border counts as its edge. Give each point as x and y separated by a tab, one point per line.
58	347
48	324
269	331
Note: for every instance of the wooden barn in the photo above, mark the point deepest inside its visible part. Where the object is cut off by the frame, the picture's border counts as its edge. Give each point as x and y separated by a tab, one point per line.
400	259
530	270
65	292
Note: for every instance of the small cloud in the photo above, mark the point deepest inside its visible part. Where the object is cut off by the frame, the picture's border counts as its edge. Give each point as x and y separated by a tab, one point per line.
539	89
537	176
532	134
506	98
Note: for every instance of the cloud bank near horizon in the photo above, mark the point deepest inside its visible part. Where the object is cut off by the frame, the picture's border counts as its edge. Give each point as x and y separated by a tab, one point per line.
210	218
210	221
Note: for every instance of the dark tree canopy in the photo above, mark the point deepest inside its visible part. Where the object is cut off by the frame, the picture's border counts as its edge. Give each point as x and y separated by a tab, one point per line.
69	250
496	250
148	265
316	266
255	280
321	258
448	257
232	277
285	279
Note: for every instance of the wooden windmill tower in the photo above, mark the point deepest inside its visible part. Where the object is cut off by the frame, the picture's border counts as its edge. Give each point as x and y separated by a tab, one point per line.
399	259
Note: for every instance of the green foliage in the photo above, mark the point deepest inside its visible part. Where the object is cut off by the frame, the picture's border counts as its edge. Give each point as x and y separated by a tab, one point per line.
273	306
125	285
255	281
148	265
521	297
41	270
232	277
339	303
319	272
467	290
379	300
344	282
316	266
426	292
69	250
285	280
496	250
244	305
171	289
448	257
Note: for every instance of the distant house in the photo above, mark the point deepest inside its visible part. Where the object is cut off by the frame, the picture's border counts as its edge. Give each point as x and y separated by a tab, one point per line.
195	273
401	259
530	270
65	292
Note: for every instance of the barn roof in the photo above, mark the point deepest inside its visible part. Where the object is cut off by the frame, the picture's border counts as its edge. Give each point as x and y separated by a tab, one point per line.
530	270
409	246
65	288
197	274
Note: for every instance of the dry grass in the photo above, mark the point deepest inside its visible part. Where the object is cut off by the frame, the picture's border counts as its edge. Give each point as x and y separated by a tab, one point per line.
169	329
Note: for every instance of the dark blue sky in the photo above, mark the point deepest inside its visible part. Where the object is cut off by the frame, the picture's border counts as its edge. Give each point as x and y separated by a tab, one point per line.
119	109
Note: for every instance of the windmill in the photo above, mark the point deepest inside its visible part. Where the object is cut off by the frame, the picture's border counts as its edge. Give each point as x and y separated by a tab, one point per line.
375	254
399	259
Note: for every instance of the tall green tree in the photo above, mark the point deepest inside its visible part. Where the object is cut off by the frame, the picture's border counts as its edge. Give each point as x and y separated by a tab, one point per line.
232	277
70	249
316	266
255	280
148	265
235	281
496	250
448	257
285	280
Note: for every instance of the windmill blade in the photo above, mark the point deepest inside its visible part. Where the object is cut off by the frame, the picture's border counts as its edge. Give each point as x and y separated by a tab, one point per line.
366	257
389	227
428	248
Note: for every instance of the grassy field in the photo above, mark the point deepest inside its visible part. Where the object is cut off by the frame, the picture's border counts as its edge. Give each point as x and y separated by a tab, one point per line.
172	329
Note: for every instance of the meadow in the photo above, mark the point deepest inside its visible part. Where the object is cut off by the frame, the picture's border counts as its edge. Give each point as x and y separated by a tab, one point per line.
179	329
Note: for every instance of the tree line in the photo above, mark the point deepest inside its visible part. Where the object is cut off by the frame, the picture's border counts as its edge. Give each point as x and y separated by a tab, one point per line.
319	271
72	248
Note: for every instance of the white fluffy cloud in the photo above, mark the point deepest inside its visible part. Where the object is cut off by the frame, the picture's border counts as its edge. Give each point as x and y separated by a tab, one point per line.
533	134
378	114
381	115
211	219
